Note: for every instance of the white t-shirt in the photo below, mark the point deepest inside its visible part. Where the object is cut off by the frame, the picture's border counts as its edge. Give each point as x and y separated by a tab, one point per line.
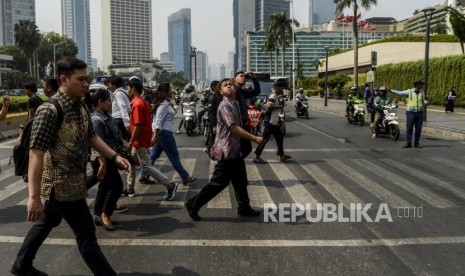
274	118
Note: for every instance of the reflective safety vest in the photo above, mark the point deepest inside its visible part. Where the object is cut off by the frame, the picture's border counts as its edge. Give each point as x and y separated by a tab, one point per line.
415	101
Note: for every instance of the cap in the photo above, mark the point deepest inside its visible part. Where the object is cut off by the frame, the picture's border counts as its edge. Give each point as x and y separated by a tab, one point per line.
280	83
418	82
97	86
353	88
239	72
382	88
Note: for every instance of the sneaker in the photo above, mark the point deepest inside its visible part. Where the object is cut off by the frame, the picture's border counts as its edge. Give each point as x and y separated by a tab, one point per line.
146	180
32	272
418	146
177	131
171	191
373	135
285	157
258	160
129	193
120	209
188	180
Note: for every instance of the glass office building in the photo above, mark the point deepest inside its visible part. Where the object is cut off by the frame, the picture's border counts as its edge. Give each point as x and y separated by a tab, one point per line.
180	40
76	26
11	12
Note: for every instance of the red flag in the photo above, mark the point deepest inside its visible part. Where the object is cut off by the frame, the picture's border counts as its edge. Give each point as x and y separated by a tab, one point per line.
359	15
350	19
362	23
373	27
340	17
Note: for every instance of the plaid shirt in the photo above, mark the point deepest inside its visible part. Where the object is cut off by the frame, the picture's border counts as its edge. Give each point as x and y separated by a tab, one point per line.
66	149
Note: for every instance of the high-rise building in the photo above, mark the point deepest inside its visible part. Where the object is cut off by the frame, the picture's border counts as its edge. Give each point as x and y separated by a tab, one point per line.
201	58
179	40
126	31
222	71
11	12
321	11
165	56
253	15
230	63
76	26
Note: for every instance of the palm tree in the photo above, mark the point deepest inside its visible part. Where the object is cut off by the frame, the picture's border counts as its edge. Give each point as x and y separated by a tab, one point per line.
355	4
281	28
27	38
457	22
270	46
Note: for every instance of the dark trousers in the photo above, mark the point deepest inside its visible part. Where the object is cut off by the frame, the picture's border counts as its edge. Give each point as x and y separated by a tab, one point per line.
122	129
199	117
109	189
414	119
450	105
77	215
277	134
246	145
226	171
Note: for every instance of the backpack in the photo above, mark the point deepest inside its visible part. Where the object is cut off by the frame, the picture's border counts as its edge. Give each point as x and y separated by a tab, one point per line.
21	151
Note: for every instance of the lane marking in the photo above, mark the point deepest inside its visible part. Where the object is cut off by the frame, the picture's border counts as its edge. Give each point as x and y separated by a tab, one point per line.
258	193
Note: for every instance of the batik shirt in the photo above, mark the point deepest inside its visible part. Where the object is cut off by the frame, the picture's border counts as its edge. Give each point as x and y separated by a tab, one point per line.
66	148
227	144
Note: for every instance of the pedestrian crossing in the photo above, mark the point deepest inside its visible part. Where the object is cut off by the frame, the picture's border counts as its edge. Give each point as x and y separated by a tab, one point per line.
348	181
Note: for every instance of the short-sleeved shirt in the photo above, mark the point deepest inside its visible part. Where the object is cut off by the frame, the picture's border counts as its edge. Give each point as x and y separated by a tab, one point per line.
164	117
34	102
227	144
274	116
66	148
107	129
141	114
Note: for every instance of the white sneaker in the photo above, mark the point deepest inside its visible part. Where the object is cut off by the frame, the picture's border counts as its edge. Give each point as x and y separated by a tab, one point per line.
177	131
373	135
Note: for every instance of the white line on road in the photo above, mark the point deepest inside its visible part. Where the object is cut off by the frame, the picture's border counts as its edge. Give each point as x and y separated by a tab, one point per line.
257	189
254	243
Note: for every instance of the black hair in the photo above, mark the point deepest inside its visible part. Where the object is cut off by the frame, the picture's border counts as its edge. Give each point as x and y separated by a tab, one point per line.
53	84
213	84
135	83
116	81
31	86
226	79
67	66
92	97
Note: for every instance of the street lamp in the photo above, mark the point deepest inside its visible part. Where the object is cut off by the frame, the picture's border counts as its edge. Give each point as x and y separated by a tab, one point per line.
293	49
428	15
54	58
193	55
326	76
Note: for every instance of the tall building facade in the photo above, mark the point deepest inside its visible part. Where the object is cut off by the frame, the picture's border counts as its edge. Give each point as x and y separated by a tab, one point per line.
76	26
180	40
165	56
201	66
321	11
126	31
253	15
11	12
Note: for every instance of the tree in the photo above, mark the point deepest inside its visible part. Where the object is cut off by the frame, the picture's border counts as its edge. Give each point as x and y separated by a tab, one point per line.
269	46
440	28
66	48
27	38
281	28
457	21
355	4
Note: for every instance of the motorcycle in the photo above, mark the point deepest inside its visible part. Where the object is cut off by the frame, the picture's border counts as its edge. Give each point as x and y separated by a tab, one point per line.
388	123
177	99
205	124
302	111
189	115
254	118
356	115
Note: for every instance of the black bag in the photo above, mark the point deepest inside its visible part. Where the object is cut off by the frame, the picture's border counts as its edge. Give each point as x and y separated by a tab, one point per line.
21	151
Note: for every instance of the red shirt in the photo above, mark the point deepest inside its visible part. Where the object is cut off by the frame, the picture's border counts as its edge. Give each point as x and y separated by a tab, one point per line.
141	115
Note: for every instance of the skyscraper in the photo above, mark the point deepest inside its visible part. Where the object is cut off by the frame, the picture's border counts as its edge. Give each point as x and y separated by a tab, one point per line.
321	11
201	66
11	12
179	40
76	26
253	15
126	31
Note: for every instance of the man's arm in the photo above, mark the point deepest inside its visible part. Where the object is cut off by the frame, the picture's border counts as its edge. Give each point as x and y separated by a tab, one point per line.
237	130
400	93
35	169
248	94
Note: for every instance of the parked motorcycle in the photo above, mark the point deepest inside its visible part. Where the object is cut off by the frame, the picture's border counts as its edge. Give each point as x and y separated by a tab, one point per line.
302	109
388	123
357	115
204	127
189	116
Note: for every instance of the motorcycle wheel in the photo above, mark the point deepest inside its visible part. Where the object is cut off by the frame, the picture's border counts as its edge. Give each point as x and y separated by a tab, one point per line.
306	114
394	132
361	120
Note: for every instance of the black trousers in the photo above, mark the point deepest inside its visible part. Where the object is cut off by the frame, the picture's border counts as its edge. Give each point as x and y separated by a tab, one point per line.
226	171
246	145
77	215
109	189
450	105
278	137
122	129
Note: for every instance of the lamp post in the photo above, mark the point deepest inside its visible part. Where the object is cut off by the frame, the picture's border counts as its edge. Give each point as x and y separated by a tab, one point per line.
293	50
193	55
54	58
326	76
428	15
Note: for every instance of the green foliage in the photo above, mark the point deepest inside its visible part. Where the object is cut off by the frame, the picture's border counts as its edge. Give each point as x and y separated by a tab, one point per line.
176	79
17	104
443	73
336	82
65	47
457	21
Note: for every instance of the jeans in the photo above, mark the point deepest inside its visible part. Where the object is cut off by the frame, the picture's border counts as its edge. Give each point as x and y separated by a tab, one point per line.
278	136
77	215
232	170
414	119
167	143
109	189
144	159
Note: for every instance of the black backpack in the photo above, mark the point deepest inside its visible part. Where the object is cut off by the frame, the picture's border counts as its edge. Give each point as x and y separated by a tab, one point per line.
21	151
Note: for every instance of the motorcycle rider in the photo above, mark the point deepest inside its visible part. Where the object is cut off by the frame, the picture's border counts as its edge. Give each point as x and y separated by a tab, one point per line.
380	101
350	100
204	102
299	98
186	97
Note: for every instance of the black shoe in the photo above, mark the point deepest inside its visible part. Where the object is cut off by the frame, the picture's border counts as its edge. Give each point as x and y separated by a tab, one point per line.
192	213
171	191
418	146
32	272
407	146
248	213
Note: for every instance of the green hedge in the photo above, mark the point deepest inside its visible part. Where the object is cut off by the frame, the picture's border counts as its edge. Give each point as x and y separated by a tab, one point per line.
18	103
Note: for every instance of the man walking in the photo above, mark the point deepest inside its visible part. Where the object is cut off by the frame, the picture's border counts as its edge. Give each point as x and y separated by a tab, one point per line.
57	172
415	106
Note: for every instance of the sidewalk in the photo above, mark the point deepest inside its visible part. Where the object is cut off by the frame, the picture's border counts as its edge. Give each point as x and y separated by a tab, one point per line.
439	123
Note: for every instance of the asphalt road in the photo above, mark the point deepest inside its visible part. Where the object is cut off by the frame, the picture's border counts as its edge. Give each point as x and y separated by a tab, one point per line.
333	163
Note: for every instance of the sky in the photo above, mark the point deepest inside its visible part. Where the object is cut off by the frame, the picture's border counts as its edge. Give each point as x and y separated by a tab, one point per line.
211	20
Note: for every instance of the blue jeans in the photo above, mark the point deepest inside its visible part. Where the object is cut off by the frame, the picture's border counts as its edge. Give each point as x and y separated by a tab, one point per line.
77	215
166	143
414	119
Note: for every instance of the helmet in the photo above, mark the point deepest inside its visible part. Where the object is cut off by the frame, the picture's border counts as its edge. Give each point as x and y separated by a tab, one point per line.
352	90
382	91
301	90
189	88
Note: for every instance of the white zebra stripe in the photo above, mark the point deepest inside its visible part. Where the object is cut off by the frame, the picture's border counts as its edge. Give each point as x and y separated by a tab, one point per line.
257	190
223	199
